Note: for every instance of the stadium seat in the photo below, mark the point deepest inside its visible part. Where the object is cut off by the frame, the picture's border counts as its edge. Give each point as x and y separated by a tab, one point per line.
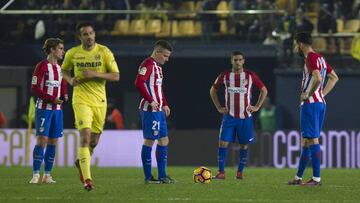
223	30
345	45
352	25
197	29
186	28
198	5
281	4
314	6
137	27
153	26
186	6
291	6
314	21
340	25
223	6
288	5
121	27
174	31
319	44
165	29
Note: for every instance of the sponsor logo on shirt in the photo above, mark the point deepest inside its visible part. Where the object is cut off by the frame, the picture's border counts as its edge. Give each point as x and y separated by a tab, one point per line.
244	82
79	58
142	71
237	89
34	80
88	64
159	81
52	83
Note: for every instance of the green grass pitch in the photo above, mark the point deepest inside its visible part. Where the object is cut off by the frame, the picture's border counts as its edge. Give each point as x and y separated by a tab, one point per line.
126	185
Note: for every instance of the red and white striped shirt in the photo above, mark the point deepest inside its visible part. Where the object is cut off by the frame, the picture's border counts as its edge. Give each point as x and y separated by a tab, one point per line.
238	87
314	61
149	83
47	84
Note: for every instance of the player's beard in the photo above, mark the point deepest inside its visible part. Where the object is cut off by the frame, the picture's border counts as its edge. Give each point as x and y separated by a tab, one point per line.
236	68
300	52
90	43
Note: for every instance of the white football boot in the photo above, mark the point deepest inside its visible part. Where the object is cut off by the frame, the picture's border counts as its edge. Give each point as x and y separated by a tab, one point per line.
47	179
35	179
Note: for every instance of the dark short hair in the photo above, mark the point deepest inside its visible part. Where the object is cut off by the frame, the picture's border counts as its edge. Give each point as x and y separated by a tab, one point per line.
164	45
235	53
83	24
303	37
51	43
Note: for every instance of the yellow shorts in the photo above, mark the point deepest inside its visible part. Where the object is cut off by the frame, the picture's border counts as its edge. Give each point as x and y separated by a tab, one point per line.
92	117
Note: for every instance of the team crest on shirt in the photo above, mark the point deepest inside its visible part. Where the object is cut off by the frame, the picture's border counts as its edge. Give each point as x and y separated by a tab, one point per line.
142	71
41	129
156	132
81	123
244	82
97	57
34	80
159	81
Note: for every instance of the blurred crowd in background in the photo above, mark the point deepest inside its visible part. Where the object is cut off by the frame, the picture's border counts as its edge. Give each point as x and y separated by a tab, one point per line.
321	16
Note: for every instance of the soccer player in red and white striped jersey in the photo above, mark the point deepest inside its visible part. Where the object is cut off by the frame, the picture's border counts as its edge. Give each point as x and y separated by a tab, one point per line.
312	106
149	83
49	87
237	111
154	109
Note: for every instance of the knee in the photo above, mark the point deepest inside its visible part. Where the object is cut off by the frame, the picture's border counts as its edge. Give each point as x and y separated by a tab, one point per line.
52	141
148	143
243	146
85	138
223	144
305	142
85	142
42	141
164	141
313	141
93	143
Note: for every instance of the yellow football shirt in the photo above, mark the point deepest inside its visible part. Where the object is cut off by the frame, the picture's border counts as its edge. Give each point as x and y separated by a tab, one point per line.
100	59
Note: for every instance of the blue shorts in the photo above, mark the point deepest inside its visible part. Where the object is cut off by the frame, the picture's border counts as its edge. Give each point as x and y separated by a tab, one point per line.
232	127
312	119
49	123
153	124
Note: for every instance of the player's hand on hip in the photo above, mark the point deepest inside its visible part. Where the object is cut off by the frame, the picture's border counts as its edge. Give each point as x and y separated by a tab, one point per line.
166	110
222	110
252	109
304	96
154	105
66	97
58	101
74	81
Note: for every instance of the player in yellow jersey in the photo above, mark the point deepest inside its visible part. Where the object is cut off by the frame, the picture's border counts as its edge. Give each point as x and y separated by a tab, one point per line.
93	65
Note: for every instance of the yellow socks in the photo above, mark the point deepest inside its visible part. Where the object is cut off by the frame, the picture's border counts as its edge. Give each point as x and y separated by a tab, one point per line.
85	158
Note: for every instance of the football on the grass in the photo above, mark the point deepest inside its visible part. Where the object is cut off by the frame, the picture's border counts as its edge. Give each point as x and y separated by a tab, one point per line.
202	175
